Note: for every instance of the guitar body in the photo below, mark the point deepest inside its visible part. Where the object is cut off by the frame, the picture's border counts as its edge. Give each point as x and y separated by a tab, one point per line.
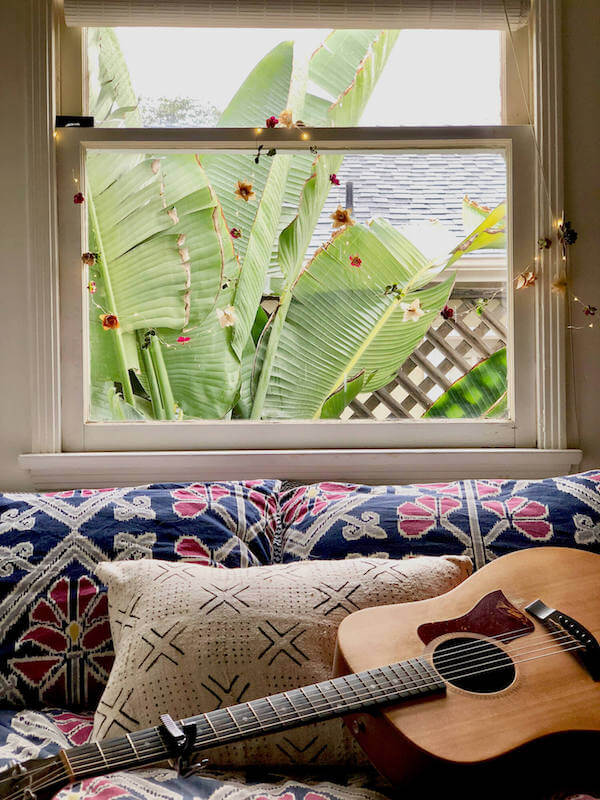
540	713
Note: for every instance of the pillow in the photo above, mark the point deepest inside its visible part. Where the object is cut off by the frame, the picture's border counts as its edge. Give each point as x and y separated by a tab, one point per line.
194	639
56	647
482	519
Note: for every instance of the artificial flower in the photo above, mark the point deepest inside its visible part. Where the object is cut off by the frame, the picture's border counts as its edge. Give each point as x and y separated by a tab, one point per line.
92	287
590	311
356	261
183	339
89	259
271	122
285	118
235	233
226	316
567	233
341	216
78	198
333	178
447	312
559	286
412	311
244	191
525	279
109	321
544	243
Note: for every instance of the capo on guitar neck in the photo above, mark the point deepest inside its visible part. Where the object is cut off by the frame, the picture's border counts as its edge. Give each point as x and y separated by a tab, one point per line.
180	741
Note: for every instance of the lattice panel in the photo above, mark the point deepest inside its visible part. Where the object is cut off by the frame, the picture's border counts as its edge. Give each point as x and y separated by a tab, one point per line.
449	350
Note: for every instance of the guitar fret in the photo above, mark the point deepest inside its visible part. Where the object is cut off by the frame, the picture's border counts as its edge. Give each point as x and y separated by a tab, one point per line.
233	719
132	745
270	702
102	753
406	690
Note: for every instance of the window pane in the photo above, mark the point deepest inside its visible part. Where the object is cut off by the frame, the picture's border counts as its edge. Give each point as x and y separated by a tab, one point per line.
179	77
304	286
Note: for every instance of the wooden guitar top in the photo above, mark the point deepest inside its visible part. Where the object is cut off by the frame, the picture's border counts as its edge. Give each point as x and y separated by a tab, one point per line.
552	691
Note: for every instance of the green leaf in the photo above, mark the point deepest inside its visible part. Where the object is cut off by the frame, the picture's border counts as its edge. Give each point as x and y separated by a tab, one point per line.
481	392
337	402
106	405
473	215
488	233
340	322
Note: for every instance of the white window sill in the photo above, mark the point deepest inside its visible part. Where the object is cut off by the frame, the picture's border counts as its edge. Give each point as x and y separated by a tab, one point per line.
391	466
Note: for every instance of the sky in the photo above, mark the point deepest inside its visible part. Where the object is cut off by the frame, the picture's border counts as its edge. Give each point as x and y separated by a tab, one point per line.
431	78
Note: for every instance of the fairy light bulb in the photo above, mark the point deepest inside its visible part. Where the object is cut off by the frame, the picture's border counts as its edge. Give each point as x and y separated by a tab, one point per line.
258	130
305	135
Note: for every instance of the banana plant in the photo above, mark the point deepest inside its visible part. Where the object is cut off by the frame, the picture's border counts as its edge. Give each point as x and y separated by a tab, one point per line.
161	227
479	393
188	337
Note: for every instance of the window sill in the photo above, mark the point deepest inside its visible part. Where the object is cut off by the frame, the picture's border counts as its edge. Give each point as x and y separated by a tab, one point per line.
98	470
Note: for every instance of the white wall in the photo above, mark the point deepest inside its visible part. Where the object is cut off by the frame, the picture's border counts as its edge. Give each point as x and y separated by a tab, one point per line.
581	55
15	388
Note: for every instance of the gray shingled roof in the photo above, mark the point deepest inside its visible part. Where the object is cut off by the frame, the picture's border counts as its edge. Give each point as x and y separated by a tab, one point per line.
414	187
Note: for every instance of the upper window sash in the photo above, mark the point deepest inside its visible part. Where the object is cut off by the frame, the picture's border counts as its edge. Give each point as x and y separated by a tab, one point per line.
78	435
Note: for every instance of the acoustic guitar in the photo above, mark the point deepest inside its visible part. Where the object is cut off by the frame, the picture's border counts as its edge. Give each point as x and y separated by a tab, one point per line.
507	659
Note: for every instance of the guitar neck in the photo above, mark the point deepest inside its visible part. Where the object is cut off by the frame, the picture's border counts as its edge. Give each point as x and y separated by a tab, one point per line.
385	685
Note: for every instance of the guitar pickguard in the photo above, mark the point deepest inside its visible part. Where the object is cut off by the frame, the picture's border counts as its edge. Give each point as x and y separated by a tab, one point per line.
494	615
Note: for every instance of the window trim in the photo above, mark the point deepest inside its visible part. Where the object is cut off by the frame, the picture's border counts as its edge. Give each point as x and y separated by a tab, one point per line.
520	431
549	457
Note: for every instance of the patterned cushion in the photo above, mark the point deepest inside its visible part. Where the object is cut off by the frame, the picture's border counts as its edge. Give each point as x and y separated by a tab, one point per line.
480	518
55	645
195	639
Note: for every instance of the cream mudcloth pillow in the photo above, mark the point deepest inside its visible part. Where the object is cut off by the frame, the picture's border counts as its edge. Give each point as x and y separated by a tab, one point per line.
193	638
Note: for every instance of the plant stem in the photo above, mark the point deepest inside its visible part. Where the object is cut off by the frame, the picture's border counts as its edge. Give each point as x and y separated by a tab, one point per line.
157	406
119	347
163	378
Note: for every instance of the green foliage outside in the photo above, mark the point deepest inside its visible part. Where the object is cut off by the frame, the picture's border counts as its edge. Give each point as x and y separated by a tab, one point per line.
193	341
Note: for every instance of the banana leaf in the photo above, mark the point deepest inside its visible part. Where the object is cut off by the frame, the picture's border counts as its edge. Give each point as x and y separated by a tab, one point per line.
337	402
340	322
480	393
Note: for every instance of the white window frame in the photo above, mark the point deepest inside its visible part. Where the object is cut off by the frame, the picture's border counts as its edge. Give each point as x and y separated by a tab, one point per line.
78	435
535	448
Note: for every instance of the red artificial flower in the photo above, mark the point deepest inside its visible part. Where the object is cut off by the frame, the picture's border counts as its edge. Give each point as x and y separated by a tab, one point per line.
109	321
183	339
447	312
356	261
235	233
334	179
590	311
78	198
92	287
272	122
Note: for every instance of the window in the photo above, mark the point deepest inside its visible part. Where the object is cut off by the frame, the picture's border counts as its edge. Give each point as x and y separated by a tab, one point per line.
220	302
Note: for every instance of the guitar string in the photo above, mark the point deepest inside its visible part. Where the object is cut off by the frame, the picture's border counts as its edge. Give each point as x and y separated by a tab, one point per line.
59	771
411	684
84	759
151	734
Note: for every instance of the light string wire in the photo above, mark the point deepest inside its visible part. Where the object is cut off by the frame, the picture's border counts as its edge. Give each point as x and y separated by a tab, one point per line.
550	210
561	637
58	771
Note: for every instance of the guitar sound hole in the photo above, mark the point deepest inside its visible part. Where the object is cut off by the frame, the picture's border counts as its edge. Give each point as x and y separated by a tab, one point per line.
474	665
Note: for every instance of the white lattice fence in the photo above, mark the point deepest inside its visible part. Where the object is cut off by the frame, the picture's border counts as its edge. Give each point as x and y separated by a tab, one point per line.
449	350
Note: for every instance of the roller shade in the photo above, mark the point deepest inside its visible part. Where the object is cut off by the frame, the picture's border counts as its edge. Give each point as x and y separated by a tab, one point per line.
458	14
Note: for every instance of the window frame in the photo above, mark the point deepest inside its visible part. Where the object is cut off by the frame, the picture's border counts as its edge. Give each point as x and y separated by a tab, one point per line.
57	50
519	431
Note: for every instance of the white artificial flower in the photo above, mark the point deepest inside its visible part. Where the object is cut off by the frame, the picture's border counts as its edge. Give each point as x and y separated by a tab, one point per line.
226	316
412	311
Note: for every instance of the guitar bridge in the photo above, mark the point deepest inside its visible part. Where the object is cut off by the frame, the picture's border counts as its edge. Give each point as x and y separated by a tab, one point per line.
590	654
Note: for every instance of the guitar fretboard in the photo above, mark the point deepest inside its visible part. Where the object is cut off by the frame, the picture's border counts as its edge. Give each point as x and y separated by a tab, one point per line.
350	693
